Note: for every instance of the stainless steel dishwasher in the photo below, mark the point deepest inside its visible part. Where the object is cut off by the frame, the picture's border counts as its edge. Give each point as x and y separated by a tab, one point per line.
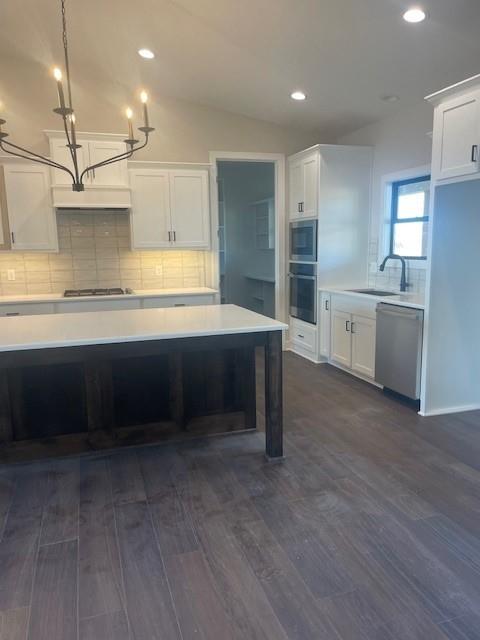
398	353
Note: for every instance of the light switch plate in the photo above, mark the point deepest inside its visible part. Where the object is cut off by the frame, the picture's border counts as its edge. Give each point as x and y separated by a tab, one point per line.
158	270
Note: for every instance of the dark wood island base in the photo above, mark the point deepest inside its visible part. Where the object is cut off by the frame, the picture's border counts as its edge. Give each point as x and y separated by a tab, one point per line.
67	400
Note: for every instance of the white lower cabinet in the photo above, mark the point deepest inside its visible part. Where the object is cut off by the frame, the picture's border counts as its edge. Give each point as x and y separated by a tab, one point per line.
352	339
324	306
341	347
303	338
363	345
104	304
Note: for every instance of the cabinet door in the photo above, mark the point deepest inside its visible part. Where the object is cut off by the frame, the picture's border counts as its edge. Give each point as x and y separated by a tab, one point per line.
341	338
363	345
310	186
457	137
30	212
112	175
61	153
295	189
325	324
189	208
150	214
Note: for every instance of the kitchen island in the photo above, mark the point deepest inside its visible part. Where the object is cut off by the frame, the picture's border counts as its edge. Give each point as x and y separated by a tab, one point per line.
73	382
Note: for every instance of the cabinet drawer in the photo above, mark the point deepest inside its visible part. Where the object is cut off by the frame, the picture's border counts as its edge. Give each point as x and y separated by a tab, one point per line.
32	309
354	305
176	301
303	335
97	305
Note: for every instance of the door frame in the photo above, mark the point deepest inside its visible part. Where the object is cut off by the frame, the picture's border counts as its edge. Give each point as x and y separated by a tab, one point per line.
278	160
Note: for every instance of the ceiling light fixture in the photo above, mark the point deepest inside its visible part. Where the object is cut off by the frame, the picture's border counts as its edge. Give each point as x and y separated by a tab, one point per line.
298	95
146	53
414	15
66	111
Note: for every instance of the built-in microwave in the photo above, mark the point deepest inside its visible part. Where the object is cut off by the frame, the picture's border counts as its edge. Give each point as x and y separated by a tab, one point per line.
303	241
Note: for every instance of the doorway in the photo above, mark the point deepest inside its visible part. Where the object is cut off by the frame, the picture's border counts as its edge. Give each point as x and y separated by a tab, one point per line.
259	288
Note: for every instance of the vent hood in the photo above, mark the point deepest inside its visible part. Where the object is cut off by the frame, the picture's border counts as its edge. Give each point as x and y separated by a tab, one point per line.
94	197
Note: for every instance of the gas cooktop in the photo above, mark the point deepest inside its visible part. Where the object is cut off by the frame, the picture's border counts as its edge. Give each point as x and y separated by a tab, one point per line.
80	293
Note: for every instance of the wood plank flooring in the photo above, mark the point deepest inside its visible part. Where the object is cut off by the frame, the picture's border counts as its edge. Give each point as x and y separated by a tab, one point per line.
369	530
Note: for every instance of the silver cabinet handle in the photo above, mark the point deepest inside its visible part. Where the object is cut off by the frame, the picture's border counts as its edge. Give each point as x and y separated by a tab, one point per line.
326	305
169	236
351	328
347	325
474	153
174	236
299	335
13	237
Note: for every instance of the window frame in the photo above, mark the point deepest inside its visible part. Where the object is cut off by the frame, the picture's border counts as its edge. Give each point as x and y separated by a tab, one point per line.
394	220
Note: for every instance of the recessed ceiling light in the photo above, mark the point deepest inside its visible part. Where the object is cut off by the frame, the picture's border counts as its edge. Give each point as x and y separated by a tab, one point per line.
415	14
146	53
298	95
391	98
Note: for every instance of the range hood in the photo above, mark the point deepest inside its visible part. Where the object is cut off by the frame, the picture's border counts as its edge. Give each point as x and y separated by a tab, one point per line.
94	197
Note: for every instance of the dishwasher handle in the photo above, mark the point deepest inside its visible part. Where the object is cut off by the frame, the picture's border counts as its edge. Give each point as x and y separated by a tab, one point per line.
399	312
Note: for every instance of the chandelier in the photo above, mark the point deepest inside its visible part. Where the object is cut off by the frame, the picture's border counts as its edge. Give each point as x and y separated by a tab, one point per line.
66	111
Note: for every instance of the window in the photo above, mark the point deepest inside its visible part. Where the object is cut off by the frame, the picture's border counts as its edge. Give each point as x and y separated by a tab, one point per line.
409	222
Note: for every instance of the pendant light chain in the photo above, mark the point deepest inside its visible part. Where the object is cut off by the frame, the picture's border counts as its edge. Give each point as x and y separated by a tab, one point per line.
65	49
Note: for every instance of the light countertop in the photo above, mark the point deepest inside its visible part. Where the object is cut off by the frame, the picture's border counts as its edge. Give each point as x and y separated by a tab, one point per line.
138	293
105	327
400	300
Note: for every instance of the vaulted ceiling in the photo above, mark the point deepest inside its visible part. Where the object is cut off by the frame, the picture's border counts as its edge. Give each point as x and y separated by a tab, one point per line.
246	56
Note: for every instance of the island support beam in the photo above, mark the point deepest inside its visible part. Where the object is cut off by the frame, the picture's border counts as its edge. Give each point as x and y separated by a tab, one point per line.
273	395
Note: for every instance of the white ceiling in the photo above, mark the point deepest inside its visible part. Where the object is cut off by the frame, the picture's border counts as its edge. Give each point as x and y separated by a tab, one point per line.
246	56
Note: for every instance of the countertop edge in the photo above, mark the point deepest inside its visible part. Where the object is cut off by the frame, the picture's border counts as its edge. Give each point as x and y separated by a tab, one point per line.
392	300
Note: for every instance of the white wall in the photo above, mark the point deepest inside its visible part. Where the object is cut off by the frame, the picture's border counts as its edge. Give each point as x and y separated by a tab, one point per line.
452	380
185	132
400	142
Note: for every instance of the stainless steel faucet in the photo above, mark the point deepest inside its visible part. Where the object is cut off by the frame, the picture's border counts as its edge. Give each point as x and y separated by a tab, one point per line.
403	280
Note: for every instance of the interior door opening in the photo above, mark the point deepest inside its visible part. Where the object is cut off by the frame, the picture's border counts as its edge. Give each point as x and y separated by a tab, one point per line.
246	234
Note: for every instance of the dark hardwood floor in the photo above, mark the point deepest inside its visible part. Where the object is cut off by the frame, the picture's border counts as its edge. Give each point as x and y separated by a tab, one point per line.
369	530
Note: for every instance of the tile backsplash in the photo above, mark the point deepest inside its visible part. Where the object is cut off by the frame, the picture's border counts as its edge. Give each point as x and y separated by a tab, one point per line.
390	278
95	252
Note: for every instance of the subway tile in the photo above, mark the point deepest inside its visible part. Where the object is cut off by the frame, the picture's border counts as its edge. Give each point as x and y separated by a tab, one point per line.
84	263
106	252
82	275
60	261
131	284
108	263
64	243
170	283
129	262
81	219
12	289
105	243
123	242
37	276
153	284
131	274
61	276
106	231
81	243
108	274
39	287
59	287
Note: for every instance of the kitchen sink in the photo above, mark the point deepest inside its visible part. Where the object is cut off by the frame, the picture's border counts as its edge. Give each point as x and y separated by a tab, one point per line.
374	292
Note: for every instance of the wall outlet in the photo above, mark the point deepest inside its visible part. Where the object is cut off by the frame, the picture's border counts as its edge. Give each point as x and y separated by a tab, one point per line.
11	274
158	270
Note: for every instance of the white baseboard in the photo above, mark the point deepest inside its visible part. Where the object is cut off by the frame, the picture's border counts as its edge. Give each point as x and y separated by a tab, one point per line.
355	374
447	410
304	355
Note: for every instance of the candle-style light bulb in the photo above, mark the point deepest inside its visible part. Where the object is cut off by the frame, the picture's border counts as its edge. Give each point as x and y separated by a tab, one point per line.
57	74
73	121
144	98
129	114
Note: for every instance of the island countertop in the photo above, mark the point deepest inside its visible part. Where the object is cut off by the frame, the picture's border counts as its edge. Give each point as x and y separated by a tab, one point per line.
109	327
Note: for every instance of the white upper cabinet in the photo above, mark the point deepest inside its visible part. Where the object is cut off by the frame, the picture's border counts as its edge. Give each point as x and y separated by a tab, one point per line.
150	216
60	153
189	208
170	208
115	174
456	132
303	185
31	217
91	152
